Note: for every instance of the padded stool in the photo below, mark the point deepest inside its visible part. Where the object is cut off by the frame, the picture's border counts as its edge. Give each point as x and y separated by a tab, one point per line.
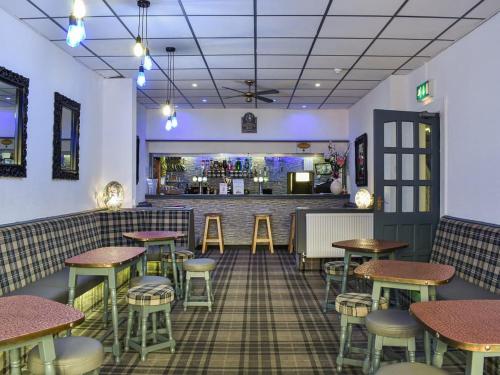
353	308
142	280
180	257
334	270
219	240
75	355
392	328
145	300
291	237
266	218
202	268
410	369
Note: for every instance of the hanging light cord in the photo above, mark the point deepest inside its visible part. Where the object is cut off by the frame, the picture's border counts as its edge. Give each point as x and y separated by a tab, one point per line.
173	78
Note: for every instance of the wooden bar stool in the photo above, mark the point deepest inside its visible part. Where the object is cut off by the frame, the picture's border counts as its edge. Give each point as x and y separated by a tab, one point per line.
268	240
291	237
219	240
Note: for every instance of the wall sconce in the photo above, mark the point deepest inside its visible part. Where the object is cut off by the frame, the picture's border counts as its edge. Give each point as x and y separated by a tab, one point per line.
363	199
113	196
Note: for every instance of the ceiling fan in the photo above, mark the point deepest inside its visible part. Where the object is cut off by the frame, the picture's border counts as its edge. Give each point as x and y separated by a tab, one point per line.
249	95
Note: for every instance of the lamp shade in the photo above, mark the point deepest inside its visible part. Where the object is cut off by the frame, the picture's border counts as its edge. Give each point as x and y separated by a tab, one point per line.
363	199
113	195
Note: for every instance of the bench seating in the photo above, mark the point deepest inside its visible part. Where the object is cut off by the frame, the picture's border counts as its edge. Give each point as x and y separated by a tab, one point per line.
32	254
473	248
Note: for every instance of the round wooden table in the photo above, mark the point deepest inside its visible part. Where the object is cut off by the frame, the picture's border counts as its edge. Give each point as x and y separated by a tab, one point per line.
161	239
30	320
403	275
366	248
471	325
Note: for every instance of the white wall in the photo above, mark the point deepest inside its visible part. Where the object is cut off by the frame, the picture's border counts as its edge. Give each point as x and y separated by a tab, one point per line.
466	78
143	154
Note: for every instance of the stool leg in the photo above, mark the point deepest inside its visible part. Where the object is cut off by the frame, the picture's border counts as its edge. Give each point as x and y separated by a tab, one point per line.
343	331
205	236
155	331
327	292
130	321
15	362
349	338
219	235
144	331
188	290
270	235
168	323
105	298
255	233
379	343
412	348
211	288
209	291
367	360
181	275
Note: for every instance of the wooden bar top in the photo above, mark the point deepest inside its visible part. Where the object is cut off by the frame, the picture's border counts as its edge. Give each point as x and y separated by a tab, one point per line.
24	318
370	245
472	325
153	236
106	257
417	273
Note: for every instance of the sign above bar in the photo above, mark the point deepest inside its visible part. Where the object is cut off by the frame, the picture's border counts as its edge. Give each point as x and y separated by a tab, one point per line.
424	91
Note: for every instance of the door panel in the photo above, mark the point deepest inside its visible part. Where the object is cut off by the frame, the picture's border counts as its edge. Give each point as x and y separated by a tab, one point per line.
406	159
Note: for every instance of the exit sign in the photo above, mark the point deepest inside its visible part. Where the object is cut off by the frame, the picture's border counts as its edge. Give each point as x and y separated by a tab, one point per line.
424	91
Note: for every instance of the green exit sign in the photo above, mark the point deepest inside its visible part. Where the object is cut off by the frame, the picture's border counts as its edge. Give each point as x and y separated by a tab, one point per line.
424	91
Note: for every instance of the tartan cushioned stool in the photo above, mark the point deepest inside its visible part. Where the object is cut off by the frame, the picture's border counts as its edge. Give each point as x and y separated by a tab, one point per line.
410	369
334	270
392	328
144	300
75	355
353	308
201	267
143	280
180	257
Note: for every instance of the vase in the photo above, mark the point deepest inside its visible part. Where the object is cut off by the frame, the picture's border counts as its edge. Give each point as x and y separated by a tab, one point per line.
336	186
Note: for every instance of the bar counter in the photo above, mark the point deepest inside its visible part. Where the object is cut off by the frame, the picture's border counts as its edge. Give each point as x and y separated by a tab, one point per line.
238	210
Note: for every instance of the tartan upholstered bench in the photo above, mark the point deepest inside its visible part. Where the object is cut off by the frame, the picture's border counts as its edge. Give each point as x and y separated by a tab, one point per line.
473	248
32	254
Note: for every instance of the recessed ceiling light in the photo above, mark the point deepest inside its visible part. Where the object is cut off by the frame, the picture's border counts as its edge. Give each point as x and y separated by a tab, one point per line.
204	100
337	70
8	98
274	100
194	84
304	106
317	84
176	106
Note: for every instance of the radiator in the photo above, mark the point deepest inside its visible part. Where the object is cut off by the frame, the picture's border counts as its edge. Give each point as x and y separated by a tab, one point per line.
323	229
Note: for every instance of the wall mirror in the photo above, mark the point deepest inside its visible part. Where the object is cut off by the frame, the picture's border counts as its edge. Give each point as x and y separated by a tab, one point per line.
13	123
65	159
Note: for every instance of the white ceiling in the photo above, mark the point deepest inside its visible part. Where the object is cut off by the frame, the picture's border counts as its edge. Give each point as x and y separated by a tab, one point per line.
289	45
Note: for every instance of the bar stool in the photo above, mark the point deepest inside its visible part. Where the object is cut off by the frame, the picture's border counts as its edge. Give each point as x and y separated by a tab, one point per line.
180	257
75	355
199	268
392	328
410	369
353	308
143	280
145	300
291	237
334	270
219	240
266	218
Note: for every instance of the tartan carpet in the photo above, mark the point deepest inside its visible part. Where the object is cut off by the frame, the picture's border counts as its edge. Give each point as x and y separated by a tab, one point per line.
267	319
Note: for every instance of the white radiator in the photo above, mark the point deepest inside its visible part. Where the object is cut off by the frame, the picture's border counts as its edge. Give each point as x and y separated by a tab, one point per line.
323	229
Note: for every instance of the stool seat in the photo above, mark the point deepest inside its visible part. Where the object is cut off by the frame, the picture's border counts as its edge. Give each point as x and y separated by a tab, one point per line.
410	369
142	280
392	323
180	256
357	304
336	268
150	295
199	265
75	355
213	214
262	214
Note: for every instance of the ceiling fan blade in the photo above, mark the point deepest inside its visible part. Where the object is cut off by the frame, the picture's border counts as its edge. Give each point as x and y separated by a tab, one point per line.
267	100
234	96
229	88
268	92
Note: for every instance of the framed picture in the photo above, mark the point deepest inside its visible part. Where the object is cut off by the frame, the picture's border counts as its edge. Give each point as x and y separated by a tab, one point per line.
361	155
323	169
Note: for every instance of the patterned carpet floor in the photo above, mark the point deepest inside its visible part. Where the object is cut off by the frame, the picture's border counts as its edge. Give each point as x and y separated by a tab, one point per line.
267	319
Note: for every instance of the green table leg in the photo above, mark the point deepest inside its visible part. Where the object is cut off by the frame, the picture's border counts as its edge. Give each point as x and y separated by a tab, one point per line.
47	354
15	361
376	293
437	359
424	297
347	261
475	363
114	313
71	291
171	244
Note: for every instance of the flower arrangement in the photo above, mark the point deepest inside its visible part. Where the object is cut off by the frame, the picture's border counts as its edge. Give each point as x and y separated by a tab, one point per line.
336	159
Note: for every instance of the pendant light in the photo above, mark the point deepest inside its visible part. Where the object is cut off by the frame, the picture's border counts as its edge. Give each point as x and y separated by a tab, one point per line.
139	48
169	107
141	77
76	27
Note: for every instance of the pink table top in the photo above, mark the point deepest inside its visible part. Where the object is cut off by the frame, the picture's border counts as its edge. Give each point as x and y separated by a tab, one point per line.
370	245
153	236
106	257
24	318
417	273
472	325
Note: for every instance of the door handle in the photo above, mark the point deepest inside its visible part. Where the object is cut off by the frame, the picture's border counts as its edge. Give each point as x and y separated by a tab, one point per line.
380	203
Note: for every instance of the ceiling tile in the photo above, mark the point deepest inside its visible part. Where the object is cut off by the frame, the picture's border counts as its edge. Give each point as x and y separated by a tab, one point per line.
160	84
284	46
349	93
358	85
343	62
278	73
380	62
228	46
120	47
238	74
182	62
150	75
435	47
461	28
21	9
415	63
365	7
127	62
64	8
196	93
319	74
288	26
277	84
308	84
403	72
304	106
269	61
368	74
273	105
342	100
182	46
188	84
416	28
206	7
192	74
79	51
335	106
204	100
393	47
352	27
441	8
298	7
108	73
93	63
317	92
244	61
129	8
340	46
486	9
220	27
307	99
47	28
161	26
241	105
104	28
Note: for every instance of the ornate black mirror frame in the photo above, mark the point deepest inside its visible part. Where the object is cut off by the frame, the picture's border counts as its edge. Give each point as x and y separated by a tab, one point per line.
22	84
60	102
